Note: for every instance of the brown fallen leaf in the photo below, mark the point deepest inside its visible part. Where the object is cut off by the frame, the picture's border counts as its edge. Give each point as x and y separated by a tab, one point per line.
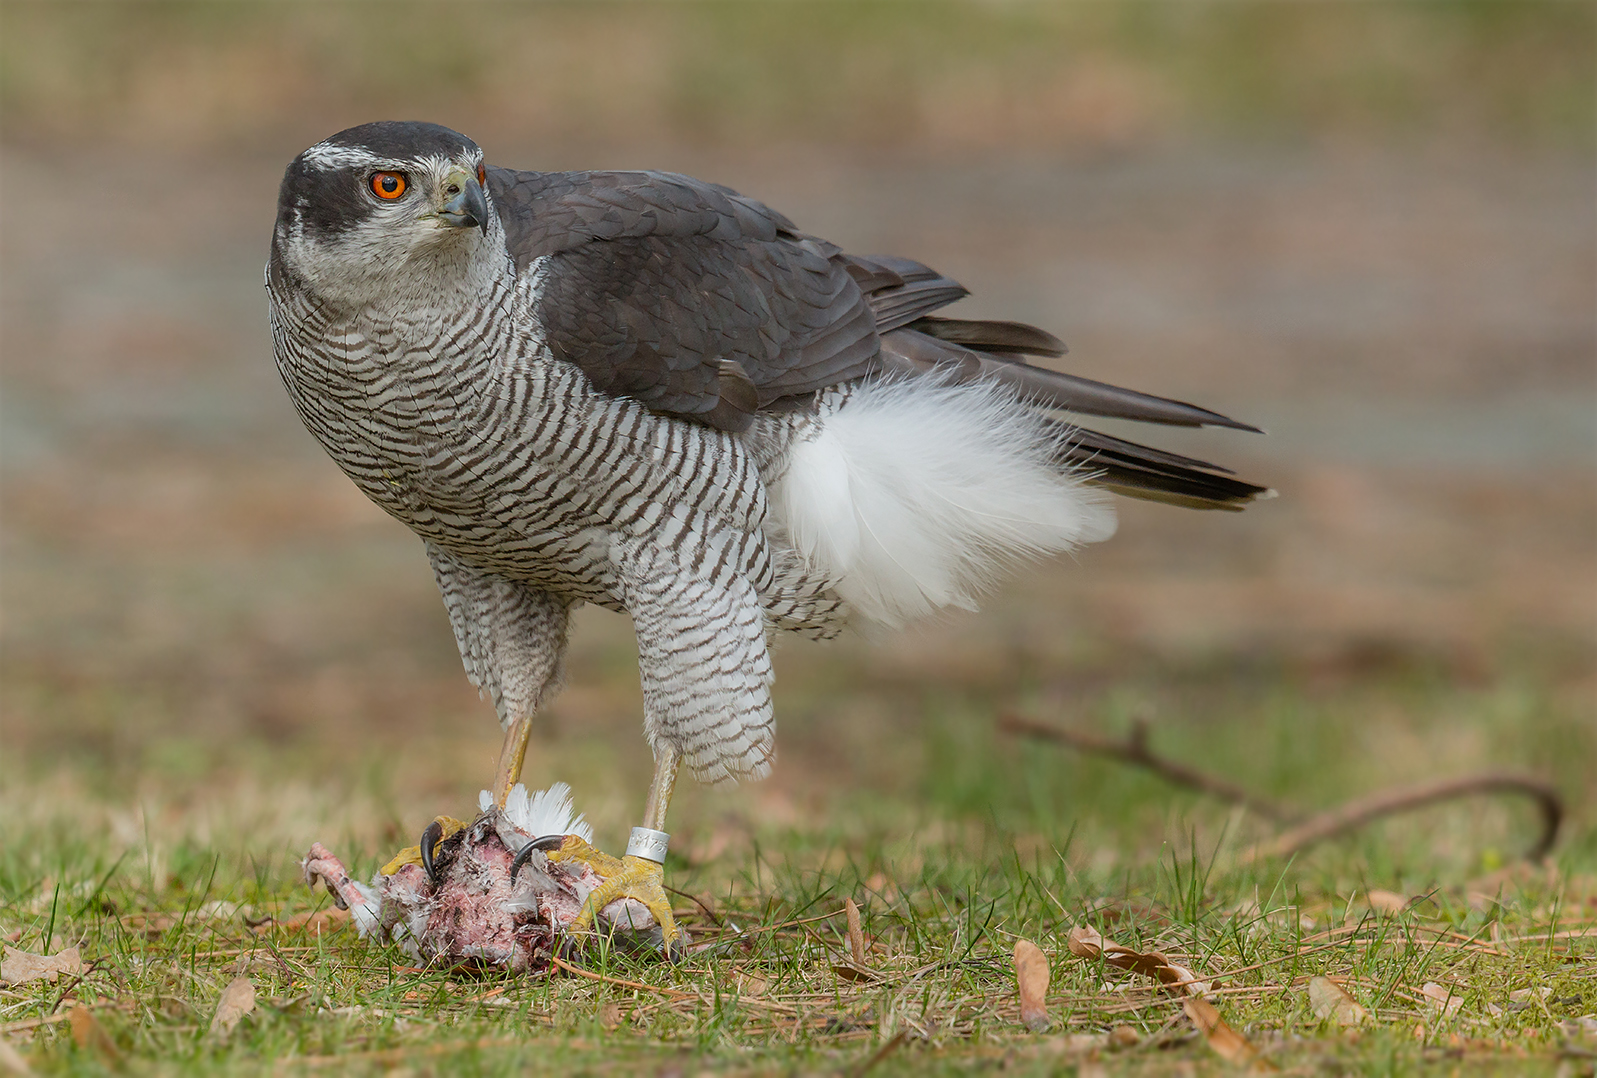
1446	1000
1386	901
1226	1042
87	1032
854	973
1086	942
1031	974
1074	1044
750	983
150	924
11	1060
611	1016
856	936
20	967
238	999
1331	1001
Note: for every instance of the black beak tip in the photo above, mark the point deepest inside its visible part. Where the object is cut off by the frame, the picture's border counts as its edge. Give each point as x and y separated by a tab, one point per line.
468	208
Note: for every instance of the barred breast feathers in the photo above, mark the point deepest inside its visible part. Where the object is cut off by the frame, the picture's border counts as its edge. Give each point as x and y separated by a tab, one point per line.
915	494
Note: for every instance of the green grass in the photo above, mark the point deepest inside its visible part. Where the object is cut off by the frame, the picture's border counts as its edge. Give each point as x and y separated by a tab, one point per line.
982	841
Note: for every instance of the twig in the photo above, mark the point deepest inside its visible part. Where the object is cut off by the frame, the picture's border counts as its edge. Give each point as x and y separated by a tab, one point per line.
1134	750
1548	937
592	976
740	933
699	902
62	1016
1357	813
1337	821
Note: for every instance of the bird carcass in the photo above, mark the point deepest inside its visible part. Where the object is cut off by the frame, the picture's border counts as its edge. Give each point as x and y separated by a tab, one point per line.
498	891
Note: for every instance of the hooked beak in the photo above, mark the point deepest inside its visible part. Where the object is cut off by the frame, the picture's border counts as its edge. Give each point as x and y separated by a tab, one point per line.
466	206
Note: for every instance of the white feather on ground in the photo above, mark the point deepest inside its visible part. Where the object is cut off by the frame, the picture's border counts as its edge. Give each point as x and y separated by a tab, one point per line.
917	494
546	812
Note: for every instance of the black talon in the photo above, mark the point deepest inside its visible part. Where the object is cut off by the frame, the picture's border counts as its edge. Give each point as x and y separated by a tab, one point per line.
547	843
429	839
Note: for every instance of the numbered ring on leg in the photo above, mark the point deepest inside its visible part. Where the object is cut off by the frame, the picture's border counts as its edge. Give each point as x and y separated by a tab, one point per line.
648	844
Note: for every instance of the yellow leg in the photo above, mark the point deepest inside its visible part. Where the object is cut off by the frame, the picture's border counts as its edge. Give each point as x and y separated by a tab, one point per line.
665	780
511	756
639	877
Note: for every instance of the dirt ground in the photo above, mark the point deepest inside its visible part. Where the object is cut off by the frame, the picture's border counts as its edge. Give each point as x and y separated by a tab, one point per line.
183	568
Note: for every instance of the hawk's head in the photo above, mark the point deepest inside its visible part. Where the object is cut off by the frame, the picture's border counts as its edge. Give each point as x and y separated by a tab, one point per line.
387	210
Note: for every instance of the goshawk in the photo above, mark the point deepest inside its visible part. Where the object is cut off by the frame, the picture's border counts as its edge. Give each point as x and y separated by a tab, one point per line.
649	392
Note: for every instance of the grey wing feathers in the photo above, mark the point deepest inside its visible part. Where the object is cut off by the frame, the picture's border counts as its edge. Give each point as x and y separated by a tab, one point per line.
682	294
710	306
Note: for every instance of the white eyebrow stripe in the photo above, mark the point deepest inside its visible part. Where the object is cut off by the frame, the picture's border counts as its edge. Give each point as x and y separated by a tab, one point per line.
327	155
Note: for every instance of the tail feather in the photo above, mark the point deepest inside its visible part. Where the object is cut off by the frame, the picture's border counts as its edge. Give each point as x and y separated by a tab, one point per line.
902	295
1140	471
1052	389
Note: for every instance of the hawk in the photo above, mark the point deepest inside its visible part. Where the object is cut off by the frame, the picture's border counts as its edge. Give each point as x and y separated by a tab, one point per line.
649	392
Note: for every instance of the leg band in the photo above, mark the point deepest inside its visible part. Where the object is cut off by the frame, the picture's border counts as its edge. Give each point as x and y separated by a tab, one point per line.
648	844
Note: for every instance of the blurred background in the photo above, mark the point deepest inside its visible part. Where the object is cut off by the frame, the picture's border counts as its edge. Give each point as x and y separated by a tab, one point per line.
1368	228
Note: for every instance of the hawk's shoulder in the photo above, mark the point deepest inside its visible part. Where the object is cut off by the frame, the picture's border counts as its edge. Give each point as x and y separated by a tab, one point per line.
691	298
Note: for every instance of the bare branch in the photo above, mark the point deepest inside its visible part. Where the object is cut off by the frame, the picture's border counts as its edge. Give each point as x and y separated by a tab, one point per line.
1134	750
1337	821
1355	814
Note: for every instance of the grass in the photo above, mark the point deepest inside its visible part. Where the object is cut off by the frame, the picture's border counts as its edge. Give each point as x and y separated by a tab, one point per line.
985	841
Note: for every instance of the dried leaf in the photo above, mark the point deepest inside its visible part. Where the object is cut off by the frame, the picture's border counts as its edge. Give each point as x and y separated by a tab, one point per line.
856	936
1226	1042
1031	974
1075	1043
611	1016
1085	942
854	973
11	1060
1579	1027
20	967
1445	1000
238	999
87	1032
751	984
150	924
1387	901
1331	1001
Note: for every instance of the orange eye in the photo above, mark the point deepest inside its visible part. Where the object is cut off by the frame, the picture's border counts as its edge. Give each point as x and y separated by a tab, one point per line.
482	175
388	185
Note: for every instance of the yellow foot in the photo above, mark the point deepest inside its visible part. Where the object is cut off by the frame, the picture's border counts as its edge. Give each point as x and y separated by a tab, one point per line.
631	877
441	828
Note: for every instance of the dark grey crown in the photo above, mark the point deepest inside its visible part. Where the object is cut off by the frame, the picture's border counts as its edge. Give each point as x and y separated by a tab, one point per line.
328	195
404	140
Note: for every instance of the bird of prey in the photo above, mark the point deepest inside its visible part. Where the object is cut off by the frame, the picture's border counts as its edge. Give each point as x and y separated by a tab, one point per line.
649	392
